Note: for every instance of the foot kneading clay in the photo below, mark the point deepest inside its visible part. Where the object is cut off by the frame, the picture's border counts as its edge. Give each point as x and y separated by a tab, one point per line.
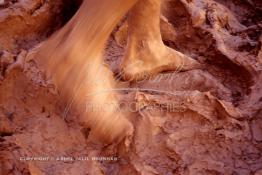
200	121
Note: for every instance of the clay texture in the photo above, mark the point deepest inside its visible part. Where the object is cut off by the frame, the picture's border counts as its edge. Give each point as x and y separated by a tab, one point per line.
199	122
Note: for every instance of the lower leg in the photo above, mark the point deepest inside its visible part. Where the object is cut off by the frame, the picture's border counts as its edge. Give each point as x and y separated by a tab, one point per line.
67	56
146	52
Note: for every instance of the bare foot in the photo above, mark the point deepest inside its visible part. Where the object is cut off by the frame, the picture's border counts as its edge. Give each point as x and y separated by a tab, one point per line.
73	57
113	128
146	54
96	99
152	59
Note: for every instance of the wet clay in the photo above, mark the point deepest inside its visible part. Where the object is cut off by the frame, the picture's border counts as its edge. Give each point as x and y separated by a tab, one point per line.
205	121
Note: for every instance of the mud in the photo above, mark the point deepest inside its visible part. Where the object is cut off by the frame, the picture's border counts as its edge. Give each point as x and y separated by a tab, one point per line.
204	122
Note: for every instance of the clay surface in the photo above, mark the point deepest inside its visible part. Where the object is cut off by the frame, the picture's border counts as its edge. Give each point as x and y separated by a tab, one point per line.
198	122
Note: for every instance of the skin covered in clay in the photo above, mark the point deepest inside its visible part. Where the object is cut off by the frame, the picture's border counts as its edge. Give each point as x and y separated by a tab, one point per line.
146	55
73	57
210	124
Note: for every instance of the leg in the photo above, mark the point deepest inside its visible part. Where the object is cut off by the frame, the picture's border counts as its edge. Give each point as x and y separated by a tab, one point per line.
73	57
146	53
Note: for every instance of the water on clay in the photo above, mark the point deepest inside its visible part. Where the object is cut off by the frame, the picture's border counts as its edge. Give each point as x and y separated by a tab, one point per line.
208	123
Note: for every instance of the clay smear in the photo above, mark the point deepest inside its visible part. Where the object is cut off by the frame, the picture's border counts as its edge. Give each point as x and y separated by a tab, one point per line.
204	121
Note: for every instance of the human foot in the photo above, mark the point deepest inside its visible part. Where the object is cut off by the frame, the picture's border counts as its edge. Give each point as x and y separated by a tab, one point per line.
68	54
96	99
149	60
146	54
